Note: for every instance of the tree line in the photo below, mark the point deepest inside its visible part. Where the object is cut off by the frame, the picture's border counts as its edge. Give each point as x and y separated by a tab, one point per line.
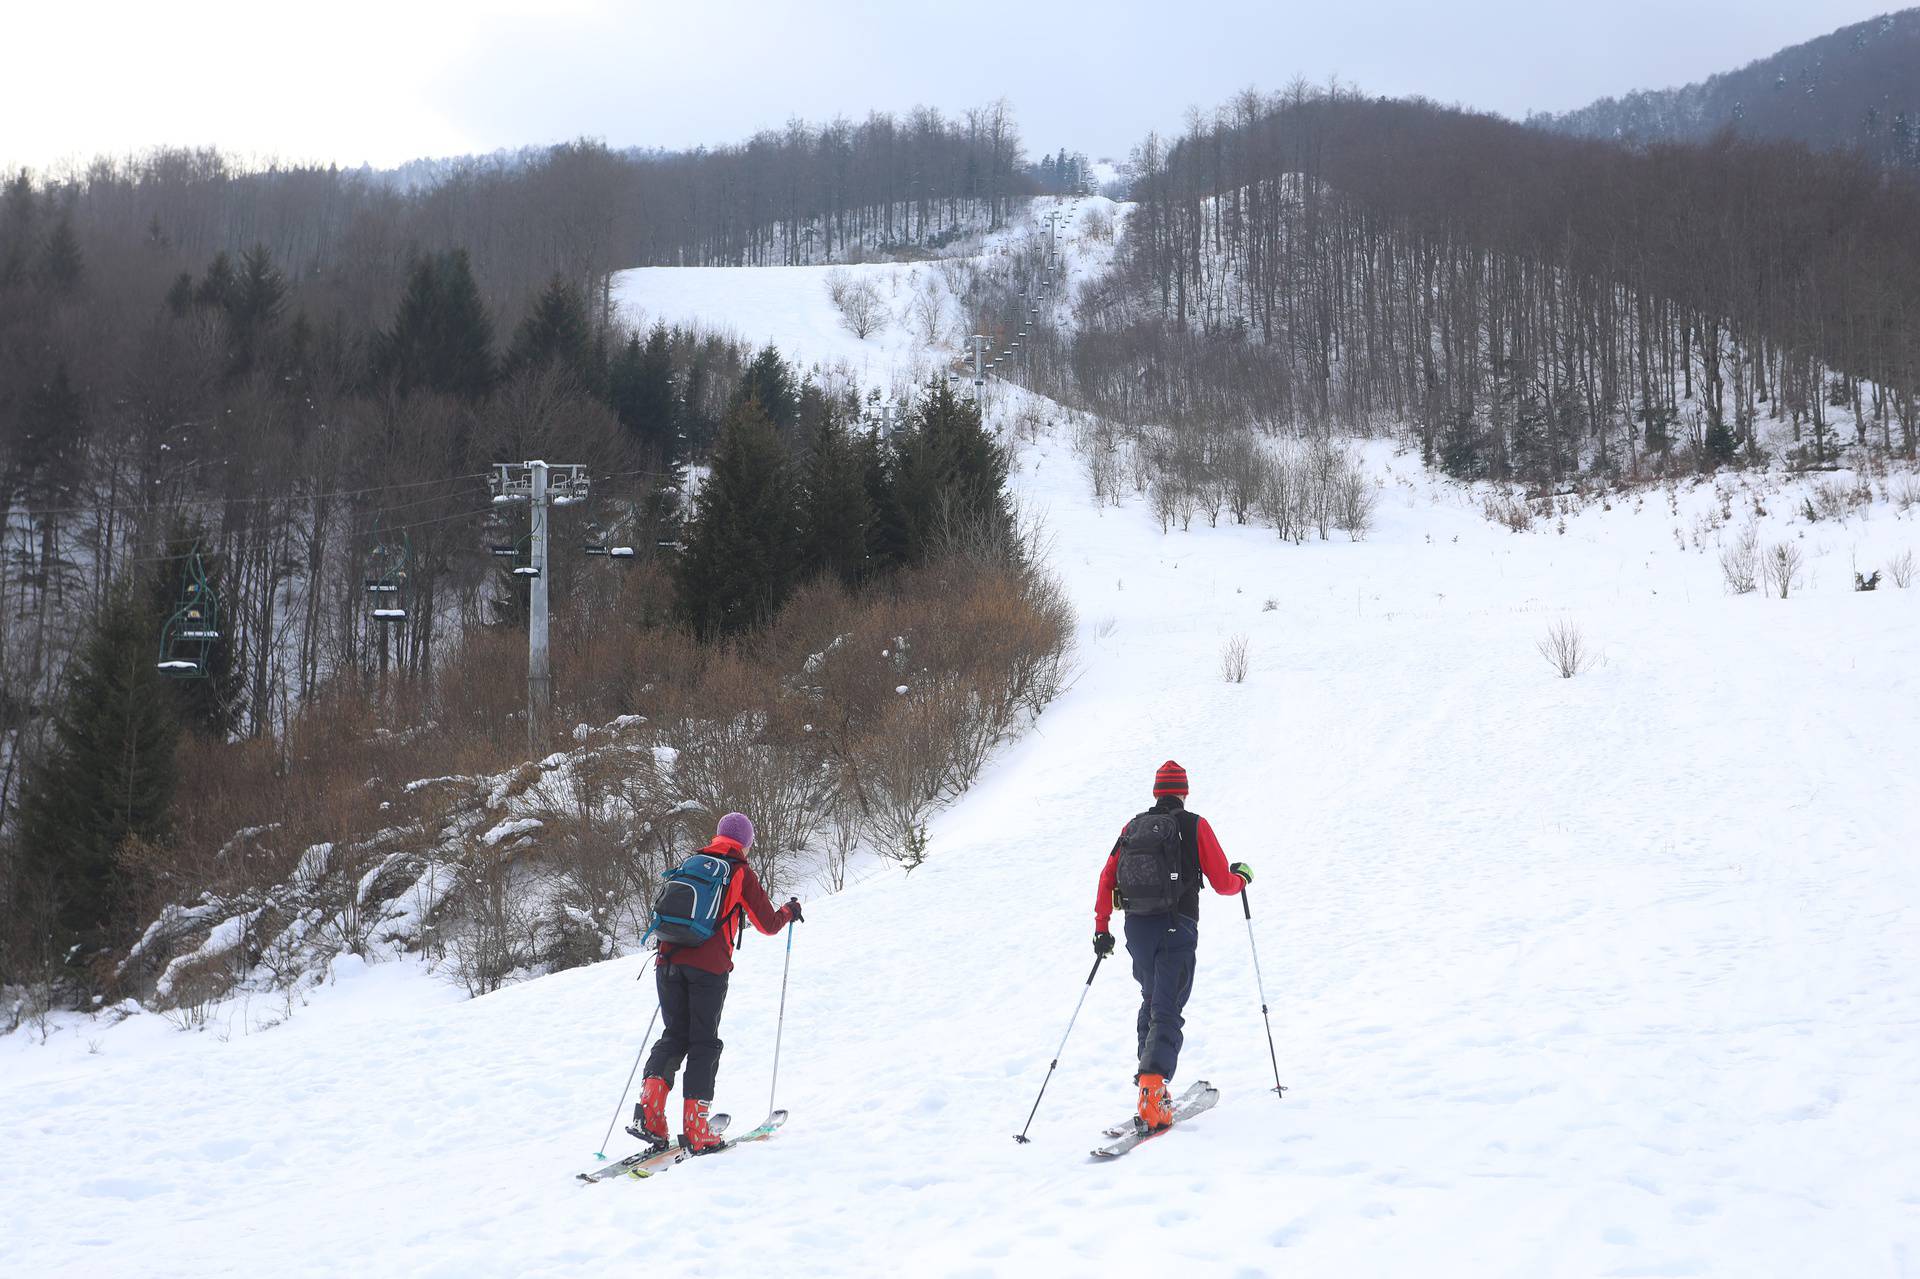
1851	89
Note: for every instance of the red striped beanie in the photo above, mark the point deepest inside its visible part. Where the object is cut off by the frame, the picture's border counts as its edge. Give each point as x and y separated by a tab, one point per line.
1170	780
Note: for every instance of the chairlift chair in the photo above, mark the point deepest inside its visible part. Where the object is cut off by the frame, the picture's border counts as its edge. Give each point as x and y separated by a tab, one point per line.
187	637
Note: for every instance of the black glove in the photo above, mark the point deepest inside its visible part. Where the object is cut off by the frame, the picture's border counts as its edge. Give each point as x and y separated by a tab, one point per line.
1244	871
793	911
1102	944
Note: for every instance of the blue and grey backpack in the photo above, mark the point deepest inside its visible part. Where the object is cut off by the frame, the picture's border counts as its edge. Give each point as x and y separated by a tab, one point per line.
693	901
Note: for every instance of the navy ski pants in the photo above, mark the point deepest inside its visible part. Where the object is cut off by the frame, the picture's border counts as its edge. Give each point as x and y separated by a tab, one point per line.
1162	948
690	1003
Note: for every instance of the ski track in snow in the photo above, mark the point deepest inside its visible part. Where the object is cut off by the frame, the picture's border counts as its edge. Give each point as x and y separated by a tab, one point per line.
1611	976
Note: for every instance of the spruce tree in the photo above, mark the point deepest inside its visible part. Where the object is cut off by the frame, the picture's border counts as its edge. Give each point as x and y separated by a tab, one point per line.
60	262
442	338
739	563
109	777
952	476
18	212
254	302
888	535
642	395
216	284
835	514
770	381
1460	446
557	333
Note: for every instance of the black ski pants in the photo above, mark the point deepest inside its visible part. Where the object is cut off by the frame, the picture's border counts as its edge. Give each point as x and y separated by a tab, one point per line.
1162	948
690	1003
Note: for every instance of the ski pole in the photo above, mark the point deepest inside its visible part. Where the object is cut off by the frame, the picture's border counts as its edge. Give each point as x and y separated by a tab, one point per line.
621	1104
1022	1137
1279	1089
780	1025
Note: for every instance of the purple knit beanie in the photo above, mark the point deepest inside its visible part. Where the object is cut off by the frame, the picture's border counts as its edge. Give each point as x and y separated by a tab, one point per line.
736	827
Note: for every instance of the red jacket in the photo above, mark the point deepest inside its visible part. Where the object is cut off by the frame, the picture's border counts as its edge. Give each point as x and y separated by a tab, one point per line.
1213	864
715	954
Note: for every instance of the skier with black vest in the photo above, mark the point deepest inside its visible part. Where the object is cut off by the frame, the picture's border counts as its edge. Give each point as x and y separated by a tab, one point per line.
1154	873
692	981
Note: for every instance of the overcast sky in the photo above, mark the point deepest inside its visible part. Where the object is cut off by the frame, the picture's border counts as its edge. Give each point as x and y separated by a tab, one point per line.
383	81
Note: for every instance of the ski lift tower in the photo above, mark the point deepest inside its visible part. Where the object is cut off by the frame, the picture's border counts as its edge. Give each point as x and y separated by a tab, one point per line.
540	485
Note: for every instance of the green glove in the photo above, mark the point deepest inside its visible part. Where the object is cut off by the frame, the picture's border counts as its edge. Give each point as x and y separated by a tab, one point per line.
1244	871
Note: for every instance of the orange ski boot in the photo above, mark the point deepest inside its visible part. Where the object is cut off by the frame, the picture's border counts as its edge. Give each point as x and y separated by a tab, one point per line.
1156	1108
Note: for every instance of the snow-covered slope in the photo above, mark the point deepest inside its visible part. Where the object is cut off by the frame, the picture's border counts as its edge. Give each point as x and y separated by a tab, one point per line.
1610	975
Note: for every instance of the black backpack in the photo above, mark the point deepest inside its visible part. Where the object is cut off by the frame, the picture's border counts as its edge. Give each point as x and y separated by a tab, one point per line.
1148	877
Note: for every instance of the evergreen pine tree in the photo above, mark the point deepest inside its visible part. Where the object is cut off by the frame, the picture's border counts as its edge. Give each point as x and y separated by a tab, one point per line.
770	381
216	284
109	777
557	333
180	295
1529	448
642	394
60	263
834	511
739	562
18	212
254	303
951	476
47	464
1460	446
888	536
442	339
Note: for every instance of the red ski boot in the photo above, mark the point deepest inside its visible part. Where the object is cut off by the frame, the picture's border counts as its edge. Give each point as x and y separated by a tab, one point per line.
650	1114
696	1132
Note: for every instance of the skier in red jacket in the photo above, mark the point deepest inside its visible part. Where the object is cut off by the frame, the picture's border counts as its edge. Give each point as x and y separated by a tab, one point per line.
692	981
1162	942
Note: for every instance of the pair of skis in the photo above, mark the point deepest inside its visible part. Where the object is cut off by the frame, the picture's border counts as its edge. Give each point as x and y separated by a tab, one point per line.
1127	1134
646	1163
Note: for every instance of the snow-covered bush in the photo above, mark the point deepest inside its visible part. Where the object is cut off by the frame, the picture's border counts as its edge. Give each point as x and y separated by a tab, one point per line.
1900	569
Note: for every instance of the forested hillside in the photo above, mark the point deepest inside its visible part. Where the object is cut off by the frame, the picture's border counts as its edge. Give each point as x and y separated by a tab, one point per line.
252	557
1857	88
1520	304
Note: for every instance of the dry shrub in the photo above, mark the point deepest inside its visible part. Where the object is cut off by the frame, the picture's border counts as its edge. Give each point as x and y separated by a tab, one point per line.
1900	568
1781	567
1233	660
1740	562
907	694
1565	649
745	754
858	300
1507	510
